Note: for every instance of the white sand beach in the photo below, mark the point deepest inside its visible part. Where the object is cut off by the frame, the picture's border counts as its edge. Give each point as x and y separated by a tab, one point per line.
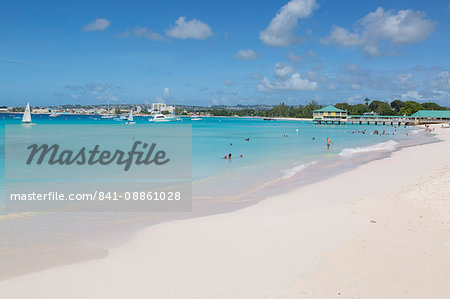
381	230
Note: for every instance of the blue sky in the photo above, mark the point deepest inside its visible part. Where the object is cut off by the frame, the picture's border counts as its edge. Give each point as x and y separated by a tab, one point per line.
223	52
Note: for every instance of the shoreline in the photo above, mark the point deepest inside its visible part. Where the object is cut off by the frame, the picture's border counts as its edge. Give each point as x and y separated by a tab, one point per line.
404	252
94	246
280	226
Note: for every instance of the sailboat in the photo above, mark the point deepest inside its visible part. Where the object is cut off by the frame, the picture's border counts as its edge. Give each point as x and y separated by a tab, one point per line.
130	119
26	119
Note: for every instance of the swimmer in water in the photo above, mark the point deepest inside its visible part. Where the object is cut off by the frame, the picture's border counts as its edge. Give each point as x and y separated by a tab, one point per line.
329	143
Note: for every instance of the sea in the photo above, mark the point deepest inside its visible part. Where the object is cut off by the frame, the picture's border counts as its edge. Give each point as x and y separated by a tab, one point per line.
267	158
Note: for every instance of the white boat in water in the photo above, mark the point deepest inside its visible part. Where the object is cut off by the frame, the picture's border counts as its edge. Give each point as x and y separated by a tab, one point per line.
121	118
163	118
54	114
196	118
26	119
130	119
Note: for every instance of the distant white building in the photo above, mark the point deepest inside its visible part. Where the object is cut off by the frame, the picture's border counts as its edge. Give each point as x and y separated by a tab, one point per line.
162	107
40	110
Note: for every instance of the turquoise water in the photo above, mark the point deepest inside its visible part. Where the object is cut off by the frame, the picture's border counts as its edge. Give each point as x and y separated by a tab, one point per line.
266	157
271	163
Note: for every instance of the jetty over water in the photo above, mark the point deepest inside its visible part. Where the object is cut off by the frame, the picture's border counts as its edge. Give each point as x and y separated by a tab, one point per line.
366	120
378	120
334	116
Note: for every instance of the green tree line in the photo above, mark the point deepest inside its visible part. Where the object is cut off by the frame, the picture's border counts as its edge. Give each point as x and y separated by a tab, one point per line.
396	107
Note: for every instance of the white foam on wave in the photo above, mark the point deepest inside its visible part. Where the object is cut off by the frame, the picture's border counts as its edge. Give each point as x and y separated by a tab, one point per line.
292	171
387	146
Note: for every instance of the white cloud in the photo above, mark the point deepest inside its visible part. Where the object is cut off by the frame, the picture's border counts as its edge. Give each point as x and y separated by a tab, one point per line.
94	91
189	29
405	26
248	54
351	67
355	86
98	25
294	57
411	95
353	98
405	81
142	32
440	82
293	83
282	70
279	32
166	93
229	82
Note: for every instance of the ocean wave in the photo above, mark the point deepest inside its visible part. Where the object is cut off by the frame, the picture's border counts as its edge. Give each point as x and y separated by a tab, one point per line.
387	146
292	171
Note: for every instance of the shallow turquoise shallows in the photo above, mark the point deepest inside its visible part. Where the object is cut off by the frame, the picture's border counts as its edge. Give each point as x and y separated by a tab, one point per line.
271	150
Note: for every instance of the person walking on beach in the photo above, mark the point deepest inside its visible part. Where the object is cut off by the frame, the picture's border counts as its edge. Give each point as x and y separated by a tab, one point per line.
329	142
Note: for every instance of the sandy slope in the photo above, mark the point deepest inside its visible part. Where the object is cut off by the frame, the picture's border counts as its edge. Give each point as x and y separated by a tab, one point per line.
317	241
405	252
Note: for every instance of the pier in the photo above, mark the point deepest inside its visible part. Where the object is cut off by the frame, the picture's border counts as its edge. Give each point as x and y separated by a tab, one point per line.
377	120
330	121
334	116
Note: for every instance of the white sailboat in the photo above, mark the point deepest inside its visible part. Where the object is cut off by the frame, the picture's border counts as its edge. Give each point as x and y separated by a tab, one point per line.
130	119
26	119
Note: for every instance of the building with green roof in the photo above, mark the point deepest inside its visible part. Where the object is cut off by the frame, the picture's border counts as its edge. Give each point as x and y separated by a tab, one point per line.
330	114
431	116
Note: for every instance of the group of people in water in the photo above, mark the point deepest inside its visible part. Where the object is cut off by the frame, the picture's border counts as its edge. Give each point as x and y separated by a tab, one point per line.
329	142
228	157
376	132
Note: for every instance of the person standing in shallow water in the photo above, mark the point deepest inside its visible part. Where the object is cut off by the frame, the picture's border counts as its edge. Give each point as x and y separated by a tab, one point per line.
329	143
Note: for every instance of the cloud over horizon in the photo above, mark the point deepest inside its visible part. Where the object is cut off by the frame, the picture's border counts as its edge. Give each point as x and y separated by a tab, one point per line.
194	28
279	32
282	70
402	27
247	54
98	25
292	83
142	32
